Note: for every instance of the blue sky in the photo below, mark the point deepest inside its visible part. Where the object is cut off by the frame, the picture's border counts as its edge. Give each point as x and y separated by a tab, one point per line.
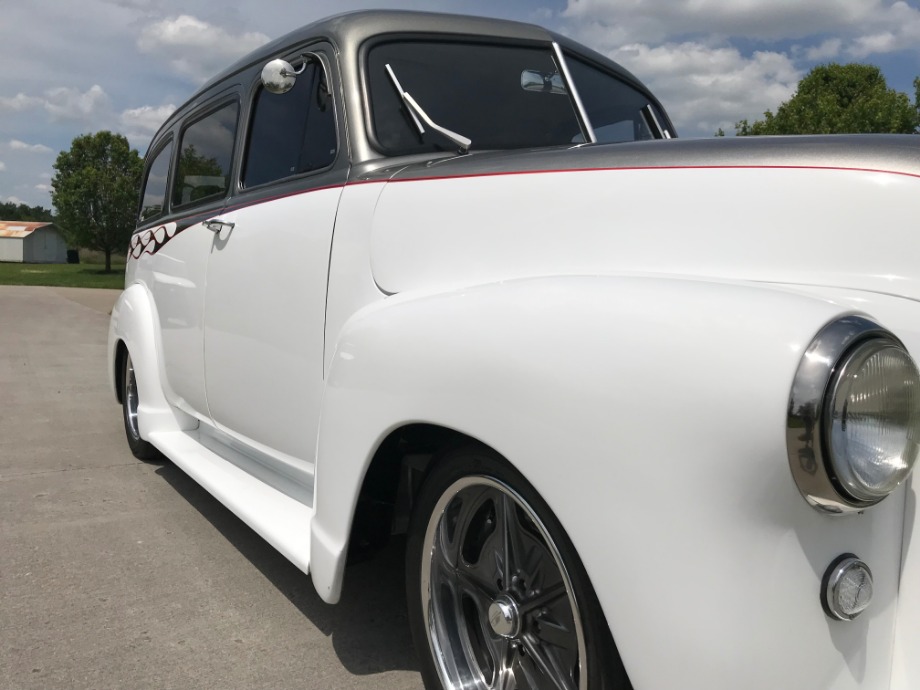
71	68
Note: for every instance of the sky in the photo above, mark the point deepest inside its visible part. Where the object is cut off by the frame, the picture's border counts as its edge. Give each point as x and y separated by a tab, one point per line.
76	67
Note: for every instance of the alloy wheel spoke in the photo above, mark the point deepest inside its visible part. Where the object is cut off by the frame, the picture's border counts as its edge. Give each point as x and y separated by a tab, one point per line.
553	676
547	597
504	671
557	635
469	581
532	675
499	649
512	546
452	535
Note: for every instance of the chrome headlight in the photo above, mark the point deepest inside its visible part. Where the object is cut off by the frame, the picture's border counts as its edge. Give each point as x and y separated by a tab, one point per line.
854	416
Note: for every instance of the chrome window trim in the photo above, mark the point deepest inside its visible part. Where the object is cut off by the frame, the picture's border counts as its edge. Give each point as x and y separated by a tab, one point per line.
582	113
809	459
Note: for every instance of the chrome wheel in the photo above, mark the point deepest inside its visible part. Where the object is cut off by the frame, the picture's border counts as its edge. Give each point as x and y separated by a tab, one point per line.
500	605
131	400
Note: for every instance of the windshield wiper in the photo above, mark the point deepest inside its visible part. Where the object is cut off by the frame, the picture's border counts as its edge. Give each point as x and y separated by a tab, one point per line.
416	111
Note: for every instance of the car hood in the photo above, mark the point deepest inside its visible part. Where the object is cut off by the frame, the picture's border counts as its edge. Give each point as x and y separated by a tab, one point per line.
836	211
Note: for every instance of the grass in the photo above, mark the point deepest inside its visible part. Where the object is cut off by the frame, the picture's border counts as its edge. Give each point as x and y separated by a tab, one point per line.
90	273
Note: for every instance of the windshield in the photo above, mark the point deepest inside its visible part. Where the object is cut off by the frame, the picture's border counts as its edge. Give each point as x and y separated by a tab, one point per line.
476	90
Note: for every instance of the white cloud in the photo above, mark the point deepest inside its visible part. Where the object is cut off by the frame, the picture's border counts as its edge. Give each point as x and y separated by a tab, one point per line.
14	200
895	28
43	187
706	87
656	20
684	49
827	50
17	145
884	42
860	27
2	166
70	104
195	48
140	124
63	103
146	120
19	102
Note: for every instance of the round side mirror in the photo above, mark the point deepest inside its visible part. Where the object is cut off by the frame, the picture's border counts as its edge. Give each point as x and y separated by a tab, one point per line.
278	76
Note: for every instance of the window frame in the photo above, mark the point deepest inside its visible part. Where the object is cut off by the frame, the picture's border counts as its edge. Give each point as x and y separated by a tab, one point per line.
317	49
192	119
625	79
161	145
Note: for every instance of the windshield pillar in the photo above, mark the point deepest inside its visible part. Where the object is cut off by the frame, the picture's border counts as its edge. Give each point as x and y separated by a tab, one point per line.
590	136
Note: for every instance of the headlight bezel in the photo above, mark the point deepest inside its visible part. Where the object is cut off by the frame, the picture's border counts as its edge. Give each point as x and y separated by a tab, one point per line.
807	431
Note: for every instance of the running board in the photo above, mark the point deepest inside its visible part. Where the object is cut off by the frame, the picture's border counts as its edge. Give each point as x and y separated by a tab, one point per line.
269	509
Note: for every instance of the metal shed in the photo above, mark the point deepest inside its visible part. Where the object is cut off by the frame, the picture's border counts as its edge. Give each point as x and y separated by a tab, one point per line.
34	243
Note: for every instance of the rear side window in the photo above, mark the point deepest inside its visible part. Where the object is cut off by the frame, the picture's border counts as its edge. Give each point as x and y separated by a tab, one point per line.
153	201
291	133
205	155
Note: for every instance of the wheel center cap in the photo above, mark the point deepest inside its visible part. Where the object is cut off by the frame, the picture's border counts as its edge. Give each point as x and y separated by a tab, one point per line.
504	617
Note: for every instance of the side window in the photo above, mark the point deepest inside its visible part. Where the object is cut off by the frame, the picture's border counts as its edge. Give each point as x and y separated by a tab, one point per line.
612	105
291	133
205	154
153	200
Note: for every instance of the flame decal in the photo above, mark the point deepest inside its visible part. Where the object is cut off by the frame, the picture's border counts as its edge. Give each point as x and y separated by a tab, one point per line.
151	241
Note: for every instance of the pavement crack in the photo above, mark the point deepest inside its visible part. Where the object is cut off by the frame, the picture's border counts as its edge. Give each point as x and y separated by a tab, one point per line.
38	473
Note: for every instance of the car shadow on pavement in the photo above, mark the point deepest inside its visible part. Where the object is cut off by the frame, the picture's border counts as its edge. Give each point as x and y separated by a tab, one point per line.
369	626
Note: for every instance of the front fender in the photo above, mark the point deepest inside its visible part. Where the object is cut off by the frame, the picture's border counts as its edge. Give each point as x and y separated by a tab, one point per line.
650	415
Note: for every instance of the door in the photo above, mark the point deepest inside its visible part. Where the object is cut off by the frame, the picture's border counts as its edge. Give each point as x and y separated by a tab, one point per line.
173	250
267	273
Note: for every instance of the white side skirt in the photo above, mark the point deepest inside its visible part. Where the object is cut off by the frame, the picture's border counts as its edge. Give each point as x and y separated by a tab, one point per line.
283	521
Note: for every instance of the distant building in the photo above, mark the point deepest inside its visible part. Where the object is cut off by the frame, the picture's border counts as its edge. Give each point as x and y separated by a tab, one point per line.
32	243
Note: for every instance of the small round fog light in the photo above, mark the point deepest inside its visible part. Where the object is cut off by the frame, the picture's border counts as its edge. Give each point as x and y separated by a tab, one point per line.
846	589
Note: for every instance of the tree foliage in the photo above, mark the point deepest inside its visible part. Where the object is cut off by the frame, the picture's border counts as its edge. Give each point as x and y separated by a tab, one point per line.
24	213
841	99
95	192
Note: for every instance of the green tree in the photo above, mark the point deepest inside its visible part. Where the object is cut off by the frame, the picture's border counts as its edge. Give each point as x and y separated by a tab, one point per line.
24	213
95	192
841	99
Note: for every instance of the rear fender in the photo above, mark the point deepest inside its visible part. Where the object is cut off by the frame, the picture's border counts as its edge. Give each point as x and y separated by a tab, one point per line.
134	324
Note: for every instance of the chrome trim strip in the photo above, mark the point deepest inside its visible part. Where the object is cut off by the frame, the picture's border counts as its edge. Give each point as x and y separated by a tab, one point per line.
582	113
651	121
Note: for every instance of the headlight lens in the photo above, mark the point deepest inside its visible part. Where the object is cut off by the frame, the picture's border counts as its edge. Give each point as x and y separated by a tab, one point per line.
874	414
853	421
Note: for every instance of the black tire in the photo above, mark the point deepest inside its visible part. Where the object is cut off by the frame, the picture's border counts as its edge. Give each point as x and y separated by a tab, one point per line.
471	626
130	398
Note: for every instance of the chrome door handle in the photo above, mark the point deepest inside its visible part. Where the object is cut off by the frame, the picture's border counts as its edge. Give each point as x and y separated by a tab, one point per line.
216	225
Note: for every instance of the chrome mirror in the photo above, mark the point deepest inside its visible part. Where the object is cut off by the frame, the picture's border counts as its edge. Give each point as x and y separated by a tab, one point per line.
278	76
535	80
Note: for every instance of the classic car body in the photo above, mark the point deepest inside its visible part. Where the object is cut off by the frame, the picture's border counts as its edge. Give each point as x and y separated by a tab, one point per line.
617	327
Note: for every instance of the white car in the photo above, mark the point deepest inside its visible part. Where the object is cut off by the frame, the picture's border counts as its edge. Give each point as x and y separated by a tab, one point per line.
644	407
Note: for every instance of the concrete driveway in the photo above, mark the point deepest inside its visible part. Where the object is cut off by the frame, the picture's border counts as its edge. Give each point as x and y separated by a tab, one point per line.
119	574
